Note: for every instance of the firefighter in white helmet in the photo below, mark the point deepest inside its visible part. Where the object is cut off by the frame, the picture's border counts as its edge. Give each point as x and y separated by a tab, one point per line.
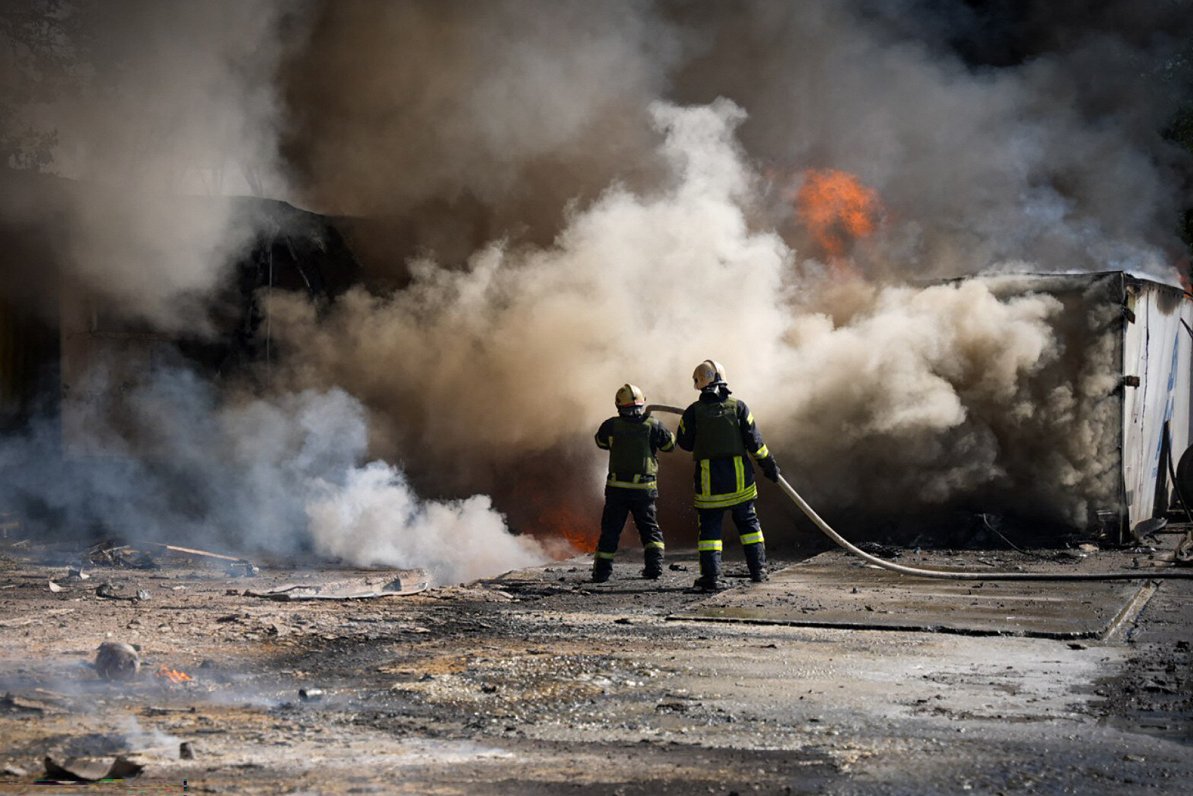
633	440
720	431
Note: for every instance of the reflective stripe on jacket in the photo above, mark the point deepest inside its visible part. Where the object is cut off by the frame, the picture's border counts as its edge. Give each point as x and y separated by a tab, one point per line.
720	431
632	444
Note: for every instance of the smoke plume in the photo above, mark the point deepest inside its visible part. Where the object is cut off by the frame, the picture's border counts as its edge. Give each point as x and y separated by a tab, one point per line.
552	199
172	110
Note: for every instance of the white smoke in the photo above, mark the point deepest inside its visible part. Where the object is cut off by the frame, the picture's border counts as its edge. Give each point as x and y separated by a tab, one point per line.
276	475
374	518
171	109
922	393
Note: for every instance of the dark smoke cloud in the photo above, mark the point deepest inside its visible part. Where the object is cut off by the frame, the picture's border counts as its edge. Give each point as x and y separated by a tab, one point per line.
459	122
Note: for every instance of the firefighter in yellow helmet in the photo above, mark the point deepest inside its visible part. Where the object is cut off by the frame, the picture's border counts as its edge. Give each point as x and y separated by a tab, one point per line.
720	431
633	440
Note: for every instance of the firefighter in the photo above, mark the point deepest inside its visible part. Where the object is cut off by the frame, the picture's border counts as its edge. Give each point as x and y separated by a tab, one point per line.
720	431
632	439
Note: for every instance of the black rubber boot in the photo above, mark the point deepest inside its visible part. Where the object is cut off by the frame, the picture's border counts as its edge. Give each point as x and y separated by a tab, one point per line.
756	561
602	568
710	571
653	568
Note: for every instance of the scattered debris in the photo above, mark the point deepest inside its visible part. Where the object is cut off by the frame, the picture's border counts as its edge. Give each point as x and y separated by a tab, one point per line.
109	592
310	694
191	551
108	553
9	702
173	675
243	569
237	567
881	550
349	590
1148	527
186	751
54	587
678	567
117	661
14	771
1183	555
91	769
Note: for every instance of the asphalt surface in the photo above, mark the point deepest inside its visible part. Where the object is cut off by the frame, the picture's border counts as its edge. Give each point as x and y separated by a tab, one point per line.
540	682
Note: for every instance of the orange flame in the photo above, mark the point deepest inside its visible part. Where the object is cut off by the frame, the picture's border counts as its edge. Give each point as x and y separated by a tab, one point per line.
579	531
837	209
173	675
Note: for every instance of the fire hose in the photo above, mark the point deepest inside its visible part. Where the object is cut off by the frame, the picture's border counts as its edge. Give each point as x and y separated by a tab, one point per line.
945	574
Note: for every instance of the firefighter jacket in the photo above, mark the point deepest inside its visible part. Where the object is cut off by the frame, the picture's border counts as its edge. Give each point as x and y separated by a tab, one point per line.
632	443
720	431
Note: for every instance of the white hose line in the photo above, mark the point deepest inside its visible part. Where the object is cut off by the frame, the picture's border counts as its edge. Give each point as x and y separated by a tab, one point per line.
945	574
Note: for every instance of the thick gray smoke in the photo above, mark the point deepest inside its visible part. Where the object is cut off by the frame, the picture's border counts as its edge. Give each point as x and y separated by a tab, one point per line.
459	124
518	315
923	393
275	475
173	109
170	105
559	197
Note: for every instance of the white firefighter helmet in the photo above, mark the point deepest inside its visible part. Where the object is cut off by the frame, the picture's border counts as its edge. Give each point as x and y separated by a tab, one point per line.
707	374
629	396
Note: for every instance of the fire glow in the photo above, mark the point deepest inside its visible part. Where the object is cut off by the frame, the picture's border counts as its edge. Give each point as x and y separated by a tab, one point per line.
837	209
173	676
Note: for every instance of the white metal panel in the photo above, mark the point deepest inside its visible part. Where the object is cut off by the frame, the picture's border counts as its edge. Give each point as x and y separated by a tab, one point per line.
1156	348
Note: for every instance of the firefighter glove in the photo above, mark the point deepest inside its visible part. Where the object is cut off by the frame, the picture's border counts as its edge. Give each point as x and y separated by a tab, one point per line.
770	468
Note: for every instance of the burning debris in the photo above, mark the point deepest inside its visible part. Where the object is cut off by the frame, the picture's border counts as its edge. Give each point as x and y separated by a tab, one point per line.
114	554
172	676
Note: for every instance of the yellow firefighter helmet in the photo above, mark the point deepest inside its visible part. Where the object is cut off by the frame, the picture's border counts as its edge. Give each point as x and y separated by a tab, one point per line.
628	397
707	374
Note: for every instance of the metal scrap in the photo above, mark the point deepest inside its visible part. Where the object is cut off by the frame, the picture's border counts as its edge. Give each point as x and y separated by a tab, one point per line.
91	769
109	591
243	568
108	553
1183	555
339	591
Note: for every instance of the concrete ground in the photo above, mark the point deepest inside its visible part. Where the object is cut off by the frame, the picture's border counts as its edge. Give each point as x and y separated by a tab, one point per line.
540	682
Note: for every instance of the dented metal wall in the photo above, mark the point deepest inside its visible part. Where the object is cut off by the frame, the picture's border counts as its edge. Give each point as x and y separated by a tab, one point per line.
1158	353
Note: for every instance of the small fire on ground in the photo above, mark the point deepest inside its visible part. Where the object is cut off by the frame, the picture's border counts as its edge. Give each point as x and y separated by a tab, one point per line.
173	675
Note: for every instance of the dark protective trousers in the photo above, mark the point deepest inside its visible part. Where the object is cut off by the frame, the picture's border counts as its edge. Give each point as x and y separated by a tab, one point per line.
619	505
749	530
